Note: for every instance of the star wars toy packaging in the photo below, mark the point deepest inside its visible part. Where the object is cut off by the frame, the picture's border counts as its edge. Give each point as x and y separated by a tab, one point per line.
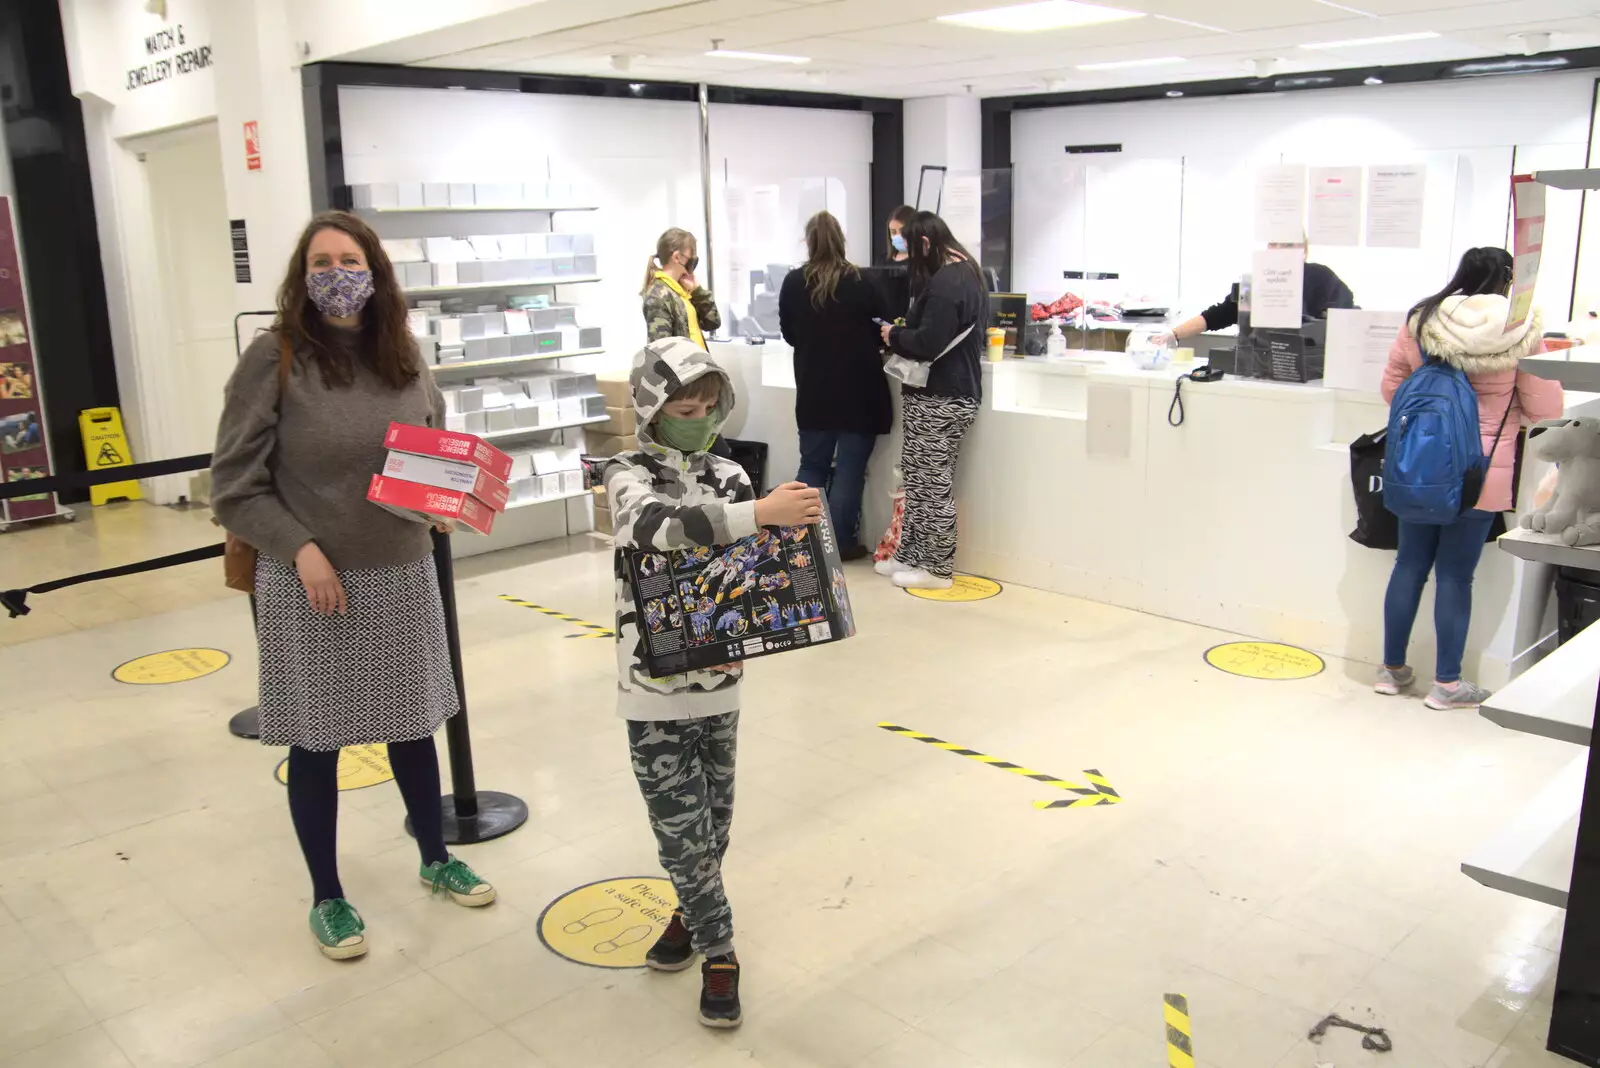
777	590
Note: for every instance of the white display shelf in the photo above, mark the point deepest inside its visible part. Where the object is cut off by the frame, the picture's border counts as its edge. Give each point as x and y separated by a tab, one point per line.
1532	855
476	207
501	361
1556	698
515	283
497	435
549	500
1549	549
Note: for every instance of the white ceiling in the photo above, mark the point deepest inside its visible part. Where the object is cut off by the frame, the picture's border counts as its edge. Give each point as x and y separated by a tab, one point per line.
895	48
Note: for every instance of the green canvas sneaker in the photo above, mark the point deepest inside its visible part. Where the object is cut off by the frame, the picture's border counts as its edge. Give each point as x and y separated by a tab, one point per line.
339	930
461	881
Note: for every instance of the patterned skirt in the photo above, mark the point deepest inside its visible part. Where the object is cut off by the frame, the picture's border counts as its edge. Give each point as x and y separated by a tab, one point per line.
380	674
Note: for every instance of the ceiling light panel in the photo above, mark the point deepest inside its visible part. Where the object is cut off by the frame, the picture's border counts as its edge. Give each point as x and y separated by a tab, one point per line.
1040	16
1129	64
1370	42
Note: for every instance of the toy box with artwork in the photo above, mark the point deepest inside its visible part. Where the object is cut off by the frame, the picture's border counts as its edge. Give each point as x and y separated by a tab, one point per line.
780	589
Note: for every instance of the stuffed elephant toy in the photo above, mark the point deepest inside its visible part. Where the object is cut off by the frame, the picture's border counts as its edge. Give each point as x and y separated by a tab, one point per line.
1573	514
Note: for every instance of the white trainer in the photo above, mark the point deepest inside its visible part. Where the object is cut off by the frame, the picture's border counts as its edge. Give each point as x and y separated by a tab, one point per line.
890	567
917	579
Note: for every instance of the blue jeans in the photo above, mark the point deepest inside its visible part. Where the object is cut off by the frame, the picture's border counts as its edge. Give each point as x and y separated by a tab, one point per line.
1451	553
835	461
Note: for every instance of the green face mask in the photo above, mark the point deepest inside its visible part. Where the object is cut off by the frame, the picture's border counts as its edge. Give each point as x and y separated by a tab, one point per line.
687	435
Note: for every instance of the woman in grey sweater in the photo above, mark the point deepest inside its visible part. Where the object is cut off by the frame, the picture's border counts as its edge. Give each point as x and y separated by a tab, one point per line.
348	610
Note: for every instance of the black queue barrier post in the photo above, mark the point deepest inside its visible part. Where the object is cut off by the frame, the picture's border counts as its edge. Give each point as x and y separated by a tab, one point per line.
247	724
470	815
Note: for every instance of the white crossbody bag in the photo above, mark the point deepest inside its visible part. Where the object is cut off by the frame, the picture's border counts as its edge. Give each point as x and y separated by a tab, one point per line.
915	373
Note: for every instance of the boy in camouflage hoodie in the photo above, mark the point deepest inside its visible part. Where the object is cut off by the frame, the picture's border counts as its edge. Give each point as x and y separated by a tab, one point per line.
683	730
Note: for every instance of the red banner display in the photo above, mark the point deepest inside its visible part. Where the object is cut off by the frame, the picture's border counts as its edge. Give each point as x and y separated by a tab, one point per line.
23	453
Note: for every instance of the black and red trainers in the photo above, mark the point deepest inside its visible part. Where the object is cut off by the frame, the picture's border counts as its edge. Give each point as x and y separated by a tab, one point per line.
719	992
674	950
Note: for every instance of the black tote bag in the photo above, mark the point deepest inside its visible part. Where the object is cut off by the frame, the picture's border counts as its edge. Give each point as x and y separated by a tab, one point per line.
1376	526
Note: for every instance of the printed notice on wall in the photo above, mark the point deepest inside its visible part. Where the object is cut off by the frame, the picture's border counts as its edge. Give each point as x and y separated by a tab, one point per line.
1280	205
963	209
1334	215
1527	246
1276	287
1358	347
1395	196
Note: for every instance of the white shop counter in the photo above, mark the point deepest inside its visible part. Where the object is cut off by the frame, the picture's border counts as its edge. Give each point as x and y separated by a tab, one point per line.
1073	481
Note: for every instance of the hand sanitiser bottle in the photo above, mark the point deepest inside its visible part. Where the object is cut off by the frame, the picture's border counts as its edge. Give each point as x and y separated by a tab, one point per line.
1055	346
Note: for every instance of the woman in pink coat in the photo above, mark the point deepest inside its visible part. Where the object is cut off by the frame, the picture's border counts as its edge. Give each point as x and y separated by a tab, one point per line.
1465	326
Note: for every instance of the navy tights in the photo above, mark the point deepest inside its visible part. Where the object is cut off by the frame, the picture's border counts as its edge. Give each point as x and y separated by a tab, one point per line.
314	807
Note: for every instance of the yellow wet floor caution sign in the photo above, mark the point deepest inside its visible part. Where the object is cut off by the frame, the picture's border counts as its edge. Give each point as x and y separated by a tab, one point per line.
1265	660
360	766
171	665
105	446
609	924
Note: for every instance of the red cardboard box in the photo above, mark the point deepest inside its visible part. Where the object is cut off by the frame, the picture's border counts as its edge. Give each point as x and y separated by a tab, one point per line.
430	504
448	445
449	474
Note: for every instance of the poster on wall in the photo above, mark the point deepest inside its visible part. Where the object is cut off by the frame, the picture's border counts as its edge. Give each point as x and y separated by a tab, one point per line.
963	209
1395	199
23	452
1281	204
1334	215
1277	287
1358	347
1527	245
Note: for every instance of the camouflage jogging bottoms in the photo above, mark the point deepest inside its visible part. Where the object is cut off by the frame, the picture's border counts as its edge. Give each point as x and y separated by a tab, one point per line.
685	771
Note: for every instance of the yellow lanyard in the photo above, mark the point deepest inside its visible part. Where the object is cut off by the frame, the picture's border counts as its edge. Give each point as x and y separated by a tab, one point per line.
688	306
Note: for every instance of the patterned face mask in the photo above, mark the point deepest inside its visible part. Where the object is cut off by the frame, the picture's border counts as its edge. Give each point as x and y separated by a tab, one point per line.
340	292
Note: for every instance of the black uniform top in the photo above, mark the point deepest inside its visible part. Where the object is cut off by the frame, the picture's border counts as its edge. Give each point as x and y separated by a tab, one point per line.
1323	290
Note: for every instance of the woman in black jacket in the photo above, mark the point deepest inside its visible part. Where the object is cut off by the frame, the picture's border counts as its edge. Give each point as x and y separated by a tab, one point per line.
945	327
826	310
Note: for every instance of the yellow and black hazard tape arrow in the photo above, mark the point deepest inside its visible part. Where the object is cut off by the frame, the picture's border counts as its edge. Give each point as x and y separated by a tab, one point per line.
1098	793
1180	1047
594	630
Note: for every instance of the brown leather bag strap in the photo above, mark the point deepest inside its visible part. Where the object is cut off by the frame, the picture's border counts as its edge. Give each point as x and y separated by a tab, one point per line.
285	361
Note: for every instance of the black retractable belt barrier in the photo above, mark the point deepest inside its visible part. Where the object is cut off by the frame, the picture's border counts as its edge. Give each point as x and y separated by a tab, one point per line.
470	815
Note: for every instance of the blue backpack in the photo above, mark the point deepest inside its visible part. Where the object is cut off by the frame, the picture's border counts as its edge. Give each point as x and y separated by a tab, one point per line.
1434	464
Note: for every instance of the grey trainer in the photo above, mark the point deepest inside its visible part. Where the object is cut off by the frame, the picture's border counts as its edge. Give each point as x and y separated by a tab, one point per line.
1391	682
1465	695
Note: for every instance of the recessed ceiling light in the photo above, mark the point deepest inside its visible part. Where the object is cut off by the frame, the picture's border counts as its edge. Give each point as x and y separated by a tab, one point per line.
1040	16
756	57
1124	64
1360	41
1174	93
1372	79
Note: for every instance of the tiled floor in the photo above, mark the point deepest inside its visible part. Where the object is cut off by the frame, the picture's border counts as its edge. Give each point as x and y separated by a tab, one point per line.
1285	850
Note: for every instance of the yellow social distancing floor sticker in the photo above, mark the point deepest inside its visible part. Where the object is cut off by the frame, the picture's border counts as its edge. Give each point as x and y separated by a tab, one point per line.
609	924
173	665
360	766
966	588
1265	660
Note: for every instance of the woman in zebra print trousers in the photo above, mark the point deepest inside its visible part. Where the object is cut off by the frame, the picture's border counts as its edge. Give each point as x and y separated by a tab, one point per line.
950	298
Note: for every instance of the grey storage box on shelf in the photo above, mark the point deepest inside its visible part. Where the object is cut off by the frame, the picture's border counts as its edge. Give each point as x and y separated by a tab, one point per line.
583	244
436	194
477	348
588	337
565	264
500	347
462	195
409	195
585	265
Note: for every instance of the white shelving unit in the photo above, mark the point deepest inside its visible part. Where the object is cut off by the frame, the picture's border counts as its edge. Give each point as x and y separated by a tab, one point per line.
520	283
1531	855
523	523
504	361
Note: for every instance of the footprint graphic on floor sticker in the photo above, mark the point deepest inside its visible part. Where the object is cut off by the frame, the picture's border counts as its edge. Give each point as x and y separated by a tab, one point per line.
626	938
593	919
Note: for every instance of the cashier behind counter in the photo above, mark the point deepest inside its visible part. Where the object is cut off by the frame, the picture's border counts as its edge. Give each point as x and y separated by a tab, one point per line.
1323	290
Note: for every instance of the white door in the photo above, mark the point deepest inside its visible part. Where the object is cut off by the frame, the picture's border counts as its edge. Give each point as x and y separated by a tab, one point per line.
194	255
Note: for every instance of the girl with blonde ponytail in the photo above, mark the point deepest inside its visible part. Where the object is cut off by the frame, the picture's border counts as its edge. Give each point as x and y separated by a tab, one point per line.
675	304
